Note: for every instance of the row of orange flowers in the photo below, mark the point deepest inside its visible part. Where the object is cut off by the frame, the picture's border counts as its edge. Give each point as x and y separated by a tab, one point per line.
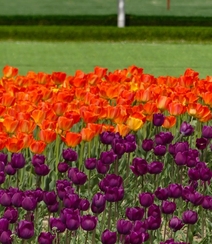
35	108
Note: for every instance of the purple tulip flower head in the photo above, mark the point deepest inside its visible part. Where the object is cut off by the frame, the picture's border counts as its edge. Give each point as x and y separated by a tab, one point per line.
45	238
202	143
84	204
124	226
9	170
207	202
6	237
163	138
146	199
18	160
139	166
98	203
154	210
189	217
153	223
11	214
107	137
134	213
62	167
155	167
29	203
102	168
25	229
136	237
57	225
6	199
42	169
38	159
69	155
108	157
88	222
207	132
4	224
3	158
158	119
181	158
186	129
50	197
72	220
76	176
168	207
108	237
90	163
147	145
175	190
162	193
175	223
196	198
159	150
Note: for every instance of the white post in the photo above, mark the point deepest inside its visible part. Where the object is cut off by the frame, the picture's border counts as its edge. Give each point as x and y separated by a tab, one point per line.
121	14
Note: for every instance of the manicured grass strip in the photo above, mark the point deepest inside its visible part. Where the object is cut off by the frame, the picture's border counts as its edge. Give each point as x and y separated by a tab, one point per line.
93	33
104	20
108	7
158	59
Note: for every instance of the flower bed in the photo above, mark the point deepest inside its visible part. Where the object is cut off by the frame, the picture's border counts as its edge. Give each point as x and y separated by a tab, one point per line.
105	157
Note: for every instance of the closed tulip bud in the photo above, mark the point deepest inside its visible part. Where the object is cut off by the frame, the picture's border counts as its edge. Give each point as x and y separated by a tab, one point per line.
139	166
196	198
49	197
107	137
207	131
17	199
70	155
154	210
175	190
175	224
62	167
45	238
88	222
201	143
6	237
53	208
29	203
136	237
189	217
72	220
130	147
153	223
162	193
38	159
207	202
186	129
18	160
108	157
140	226
2	177
168	207
4	224
155	167
181	158
158	119
114	194
90	163
3	158
76	176
146	199
71	201
9	169
147	145
205	174
84	204
134	213
42	169
108	237
159	150
25	229
124	226
5	199
57	225
98	203
102	168
11	214
193	174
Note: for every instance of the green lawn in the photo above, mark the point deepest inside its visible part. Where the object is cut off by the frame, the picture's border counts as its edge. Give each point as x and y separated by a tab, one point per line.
101	7
156	58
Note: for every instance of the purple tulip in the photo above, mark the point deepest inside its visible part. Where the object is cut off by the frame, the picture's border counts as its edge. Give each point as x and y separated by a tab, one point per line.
168	207
175	223
84	204
42	169
163	138
5	199
140	226
72	220
18	160
205	174
98	203
147	145
201	143
6	237
130	147
61	188
102	168
4	224
162	193
153	223
108	237
62	167
45	238
118	147
114	194
76	176
107	157
134	213
53	208
139	166
38	159
25	229
71	201
193	174
90	163
57	224
146	199
124	226
196	198
9	170
49	197
110	181
17	199
29	203
186	129
2	177
155	167
159	150
88	222
181	158
189	217
175	190
207	202
11	214
192	158
136	237
107	137
158	119
154	211
207	132
69	155
3	158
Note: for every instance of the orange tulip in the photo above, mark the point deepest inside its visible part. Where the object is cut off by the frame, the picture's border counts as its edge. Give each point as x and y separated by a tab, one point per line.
143	95
64	123
7	100
199	111
59	108
37	147
3	140
163	102
88	116
176	108
48	125
87	134
43	78
122	129
97	128
169	122
72	139
38	116
26	126
207	98
10	124
58	77
73	115
2	110
26	138
14	144
47	136
9	71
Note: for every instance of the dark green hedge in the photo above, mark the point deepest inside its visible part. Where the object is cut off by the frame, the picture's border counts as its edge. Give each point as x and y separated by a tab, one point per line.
94	33
108	20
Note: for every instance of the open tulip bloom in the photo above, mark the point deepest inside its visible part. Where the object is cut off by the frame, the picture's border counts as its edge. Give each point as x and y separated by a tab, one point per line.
105	157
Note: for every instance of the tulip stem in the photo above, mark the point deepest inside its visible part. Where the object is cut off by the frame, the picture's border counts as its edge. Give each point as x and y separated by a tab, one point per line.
203	224
86	237
187	236
164	234
94	236
81	154
109	215
57	147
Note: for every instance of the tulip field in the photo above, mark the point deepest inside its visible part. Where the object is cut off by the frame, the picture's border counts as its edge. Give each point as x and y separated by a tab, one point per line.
105	157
